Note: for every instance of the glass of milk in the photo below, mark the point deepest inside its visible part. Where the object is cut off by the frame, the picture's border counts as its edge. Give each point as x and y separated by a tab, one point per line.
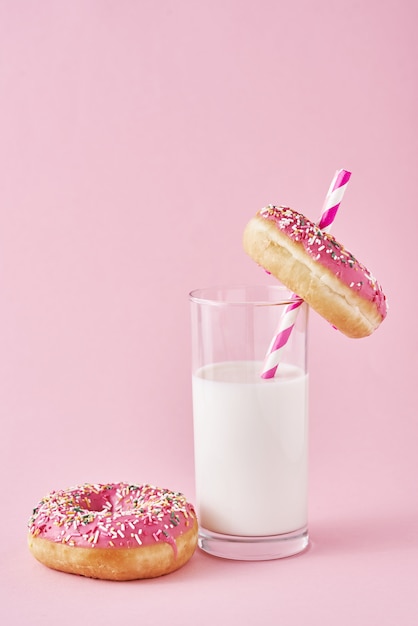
250	433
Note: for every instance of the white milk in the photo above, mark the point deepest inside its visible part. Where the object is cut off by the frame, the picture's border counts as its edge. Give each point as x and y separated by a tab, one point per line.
251	449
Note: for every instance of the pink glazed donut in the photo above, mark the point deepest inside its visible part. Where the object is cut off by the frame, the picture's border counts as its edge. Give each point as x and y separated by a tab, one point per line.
317	268
114	531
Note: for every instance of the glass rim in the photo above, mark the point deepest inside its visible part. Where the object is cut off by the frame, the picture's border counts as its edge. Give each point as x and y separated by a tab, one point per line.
217	295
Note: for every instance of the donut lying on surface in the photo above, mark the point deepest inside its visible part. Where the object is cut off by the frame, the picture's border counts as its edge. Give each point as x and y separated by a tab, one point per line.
114	531
317	268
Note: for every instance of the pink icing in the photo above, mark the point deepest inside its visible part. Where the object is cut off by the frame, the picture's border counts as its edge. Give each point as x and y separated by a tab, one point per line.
117	515
324	249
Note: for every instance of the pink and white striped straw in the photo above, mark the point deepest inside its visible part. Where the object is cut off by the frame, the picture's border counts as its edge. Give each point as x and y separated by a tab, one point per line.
329	210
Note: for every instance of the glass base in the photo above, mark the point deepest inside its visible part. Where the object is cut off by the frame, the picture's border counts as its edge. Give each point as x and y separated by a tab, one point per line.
253	548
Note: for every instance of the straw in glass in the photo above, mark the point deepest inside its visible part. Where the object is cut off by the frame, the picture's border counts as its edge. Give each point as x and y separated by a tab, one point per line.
287	321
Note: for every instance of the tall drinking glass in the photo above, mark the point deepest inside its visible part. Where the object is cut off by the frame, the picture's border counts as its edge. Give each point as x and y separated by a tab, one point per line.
250	433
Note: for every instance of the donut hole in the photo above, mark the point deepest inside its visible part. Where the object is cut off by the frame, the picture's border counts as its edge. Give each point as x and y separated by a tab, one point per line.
96	502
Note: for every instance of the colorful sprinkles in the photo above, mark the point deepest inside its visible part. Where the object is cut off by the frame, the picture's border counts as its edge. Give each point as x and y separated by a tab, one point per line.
115	515
324	249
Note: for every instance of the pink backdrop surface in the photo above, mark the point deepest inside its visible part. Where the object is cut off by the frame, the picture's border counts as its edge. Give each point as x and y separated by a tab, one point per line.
136	140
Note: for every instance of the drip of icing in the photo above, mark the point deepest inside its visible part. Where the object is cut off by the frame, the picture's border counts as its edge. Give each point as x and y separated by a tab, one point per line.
119	515
324	249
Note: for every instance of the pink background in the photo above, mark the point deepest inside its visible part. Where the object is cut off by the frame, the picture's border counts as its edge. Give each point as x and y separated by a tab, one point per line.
136	140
